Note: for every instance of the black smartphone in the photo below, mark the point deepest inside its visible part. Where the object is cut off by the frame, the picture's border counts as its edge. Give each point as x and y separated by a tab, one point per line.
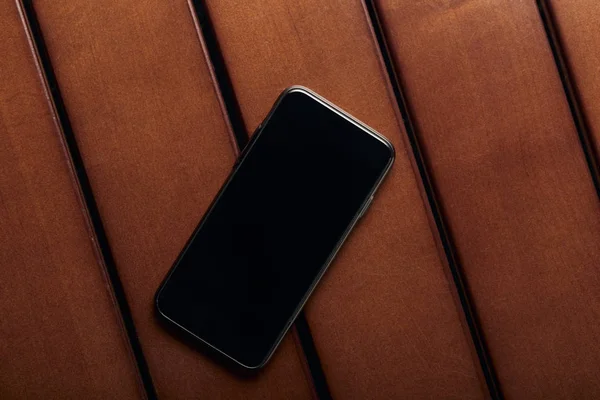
305	178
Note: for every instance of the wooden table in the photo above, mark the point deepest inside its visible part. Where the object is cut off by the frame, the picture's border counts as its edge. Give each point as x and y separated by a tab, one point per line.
475	274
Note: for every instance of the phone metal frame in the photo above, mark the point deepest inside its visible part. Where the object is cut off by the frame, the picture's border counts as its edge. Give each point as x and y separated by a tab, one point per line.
359	213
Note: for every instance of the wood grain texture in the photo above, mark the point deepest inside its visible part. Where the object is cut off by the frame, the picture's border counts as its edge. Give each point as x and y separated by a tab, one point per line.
61	332
512	180
383	318
577	25
156	149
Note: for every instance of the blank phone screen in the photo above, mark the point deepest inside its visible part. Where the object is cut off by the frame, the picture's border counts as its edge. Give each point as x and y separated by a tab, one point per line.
272	229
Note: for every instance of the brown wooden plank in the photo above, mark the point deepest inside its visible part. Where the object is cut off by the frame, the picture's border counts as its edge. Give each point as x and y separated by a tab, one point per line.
512	180
383	319
577	25
156	148
61	332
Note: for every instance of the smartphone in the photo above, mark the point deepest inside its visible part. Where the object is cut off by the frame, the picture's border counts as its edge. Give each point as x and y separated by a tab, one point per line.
297	189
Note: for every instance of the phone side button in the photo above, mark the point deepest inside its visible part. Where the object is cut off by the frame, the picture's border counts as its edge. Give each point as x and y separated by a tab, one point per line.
365	207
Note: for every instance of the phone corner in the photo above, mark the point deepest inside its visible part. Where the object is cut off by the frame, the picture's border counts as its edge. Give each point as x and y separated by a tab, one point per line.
296	88
157	310
301	90
253	369
391	149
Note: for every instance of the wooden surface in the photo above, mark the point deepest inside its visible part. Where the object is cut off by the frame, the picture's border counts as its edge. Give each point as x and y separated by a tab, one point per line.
512	180
492	123
577	27
61	333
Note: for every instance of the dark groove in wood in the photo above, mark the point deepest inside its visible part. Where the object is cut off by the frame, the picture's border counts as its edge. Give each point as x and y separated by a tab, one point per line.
89	200
232	107
571	93
312	358
464	296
